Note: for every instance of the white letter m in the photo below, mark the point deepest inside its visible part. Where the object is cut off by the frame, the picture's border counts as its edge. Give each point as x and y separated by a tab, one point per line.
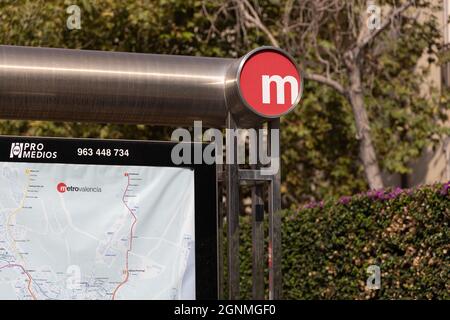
280	82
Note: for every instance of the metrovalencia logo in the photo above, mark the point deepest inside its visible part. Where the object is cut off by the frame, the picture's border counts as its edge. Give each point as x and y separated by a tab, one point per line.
31	150
62	187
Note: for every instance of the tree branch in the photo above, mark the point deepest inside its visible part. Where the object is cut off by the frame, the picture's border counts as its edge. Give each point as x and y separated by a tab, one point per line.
364	41
326	81
252	16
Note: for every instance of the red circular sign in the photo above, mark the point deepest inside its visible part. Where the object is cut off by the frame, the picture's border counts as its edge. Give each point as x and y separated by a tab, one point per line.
61	187
270	83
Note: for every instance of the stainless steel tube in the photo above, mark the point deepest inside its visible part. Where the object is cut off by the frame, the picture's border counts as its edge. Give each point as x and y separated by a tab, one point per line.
95	86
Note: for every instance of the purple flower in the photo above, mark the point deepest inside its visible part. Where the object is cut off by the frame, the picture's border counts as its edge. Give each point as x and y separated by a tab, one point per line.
408	191
395	193
313	204
383	194
376	194
445	187
345	199
310	205
380	195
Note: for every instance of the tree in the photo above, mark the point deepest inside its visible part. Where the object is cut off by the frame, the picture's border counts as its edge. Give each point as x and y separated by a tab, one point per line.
147	26
336	40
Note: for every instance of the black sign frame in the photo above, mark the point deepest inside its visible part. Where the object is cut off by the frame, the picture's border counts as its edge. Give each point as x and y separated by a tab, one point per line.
141	153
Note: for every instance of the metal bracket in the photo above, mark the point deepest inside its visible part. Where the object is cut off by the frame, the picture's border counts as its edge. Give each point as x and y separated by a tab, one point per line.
233	177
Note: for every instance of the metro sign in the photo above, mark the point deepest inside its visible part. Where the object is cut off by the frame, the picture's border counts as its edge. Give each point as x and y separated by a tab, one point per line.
270	83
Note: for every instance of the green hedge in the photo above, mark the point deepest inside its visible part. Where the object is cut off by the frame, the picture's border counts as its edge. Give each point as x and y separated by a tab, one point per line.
327	247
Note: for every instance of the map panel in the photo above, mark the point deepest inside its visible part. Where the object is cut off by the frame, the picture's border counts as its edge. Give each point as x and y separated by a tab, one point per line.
77	231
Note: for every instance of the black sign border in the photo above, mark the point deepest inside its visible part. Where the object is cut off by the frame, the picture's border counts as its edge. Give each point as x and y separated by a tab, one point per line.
147	153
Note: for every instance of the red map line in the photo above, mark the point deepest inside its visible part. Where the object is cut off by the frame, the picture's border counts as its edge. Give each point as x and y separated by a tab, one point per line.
30	280
130	247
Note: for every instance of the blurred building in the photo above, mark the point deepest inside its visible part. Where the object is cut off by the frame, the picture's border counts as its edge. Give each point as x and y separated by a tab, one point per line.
433	165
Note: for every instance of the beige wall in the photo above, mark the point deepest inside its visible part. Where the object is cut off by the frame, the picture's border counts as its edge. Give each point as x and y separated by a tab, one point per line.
434	165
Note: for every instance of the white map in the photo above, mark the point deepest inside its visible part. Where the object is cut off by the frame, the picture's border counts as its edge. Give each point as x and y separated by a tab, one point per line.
96	232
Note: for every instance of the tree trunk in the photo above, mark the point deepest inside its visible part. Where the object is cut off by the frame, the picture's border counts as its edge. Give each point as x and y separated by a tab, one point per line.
366	148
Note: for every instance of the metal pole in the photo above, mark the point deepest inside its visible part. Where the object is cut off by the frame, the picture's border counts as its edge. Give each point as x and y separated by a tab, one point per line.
220	237
257	238
122	87
118	87
232	182
275	277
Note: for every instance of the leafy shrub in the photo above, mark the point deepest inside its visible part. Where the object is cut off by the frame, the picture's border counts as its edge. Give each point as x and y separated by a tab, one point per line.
328	246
